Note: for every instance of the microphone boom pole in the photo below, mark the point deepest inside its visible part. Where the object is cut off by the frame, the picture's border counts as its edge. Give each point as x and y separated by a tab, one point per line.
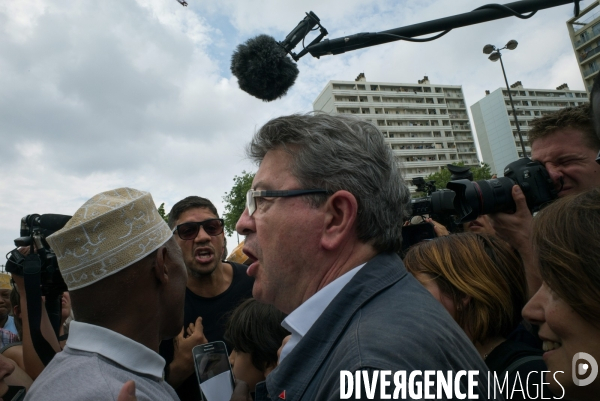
485	13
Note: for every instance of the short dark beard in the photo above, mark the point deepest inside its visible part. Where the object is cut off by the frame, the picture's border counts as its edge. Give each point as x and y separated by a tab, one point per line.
202	275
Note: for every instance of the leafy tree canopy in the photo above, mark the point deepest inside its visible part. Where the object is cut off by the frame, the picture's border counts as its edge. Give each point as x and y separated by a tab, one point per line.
161	211
441	178
235	200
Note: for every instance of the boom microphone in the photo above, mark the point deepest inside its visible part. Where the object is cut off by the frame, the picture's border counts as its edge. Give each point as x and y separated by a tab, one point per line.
263	68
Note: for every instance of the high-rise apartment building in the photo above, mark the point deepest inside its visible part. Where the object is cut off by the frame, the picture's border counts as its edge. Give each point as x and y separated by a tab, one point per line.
495	125
585	37
426	125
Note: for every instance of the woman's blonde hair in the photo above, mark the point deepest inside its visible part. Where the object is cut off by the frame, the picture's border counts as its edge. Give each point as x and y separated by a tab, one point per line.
479	266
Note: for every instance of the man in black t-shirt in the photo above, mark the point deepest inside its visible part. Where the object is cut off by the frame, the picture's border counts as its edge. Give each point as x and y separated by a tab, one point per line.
214	289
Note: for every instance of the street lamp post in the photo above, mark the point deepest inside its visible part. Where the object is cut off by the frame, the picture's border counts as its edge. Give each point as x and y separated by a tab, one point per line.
495	55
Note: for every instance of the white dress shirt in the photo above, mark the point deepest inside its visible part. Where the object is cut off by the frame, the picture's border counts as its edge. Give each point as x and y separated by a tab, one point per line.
301	320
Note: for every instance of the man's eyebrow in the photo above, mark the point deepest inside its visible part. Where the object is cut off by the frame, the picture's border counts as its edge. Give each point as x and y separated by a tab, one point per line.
570	156
260	185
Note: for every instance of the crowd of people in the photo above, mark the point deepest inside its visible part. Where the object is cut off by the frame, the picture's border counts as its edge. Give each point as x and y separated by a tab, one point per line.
322	288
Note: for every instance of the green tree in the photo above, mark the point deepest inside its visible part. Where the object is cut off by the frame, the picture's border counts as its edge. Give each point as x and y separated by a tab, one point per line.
441	178
483	172
235	200
161	211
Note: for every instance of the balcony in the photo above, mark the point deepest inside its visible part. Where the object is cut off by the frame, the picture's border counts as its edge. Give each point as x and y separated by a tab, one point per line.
586	38
584	20
453	94
585	55
406	150
589	71
425	163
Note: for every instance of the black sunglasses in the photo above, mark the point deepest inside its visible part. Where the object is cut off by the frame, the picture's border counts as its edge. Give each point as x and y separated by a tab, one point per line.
190	230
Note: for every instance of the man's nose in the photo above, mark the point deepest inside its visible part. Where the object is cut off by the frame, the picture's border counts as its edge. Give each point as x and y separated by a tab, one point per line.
202	235
556	175
245	224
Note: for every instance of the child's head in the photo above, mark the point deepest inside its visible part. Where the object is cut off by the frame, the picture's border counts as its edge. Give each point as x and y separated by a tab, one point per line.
255	332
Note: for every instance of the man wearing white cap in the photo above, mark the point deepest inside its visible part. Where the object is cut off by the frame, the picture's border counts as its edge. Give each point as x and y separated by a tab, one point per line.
127	279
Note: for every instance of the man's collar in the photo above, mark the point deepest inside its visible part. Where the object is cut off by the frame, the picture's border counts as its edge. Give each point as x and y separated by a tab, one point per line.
116	347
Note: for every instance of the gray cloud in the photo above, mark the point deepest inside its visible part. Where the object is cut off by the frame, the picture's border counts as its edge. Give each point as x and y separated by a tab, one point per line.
97	95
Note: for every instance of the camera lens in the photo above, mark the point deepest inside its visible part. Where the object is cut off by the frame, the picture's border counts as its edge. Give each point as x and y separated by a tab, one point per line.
496	195
442	202
481	197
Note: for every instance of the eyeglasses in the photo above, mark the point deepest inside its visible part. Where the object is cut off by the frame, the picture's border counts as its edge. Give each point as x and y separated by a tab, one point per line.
251	196
190	230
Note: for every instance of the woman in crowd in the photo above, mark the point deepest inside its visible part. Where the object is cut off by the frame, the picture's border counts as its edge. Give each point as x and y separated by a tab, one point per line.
480	281
566	237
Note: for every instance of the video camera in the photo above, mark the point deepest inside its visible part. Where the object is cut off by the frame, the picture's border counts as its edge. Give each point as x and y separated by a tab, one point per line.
41	275
466	199
34	230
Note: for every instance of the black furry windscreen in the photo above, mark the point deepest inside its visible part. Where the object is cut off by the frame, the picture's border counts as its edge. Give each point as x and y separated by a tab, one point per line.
263	68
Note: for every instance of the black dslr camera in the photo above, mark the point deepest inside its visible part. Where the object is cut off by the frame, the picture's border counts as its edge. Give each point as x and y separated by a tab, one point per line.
491	196
438	203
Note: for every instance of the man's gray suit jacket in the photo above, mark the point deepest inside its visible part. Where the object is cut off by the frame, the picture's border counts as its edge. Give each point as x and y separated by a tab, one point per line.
383	319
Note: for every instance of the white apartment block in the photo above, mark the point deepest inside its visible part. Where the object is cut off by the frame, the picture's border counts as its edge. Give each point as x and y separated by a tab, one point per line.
495	125
426	125
584	31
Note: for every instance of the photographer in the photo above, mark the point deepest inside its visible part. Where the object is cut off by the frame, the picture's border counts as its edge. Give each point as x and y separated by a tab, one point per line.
31	361
24	351
565	143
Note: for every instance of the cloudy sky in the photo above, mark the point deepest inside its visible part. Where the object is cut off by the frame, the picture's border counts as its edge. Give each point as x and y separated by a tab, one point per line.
96	95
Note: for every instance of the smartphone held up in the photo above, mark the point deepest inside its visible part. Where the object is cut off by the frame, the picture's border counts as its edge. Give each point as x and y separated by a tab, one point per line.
213	371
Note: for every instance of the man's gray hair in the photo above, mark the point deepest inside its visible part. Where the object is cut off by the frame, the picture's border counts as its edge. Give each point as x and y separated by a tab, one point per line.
336	152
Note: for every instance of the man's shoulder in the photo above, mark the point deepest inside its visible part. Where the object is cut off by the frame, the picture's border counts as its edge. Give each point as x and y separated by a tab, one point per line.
79	375
239	271
402	325
67	376
241	282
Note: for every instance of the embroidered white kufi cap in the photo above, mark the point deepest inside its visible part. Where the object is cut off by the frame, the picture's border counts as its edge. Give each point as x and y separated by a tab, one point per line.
109	232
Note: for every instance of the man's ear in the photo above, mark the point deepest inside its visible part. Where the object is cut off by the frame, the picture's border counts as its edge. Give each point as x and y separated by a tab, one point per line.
160	265
341	209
